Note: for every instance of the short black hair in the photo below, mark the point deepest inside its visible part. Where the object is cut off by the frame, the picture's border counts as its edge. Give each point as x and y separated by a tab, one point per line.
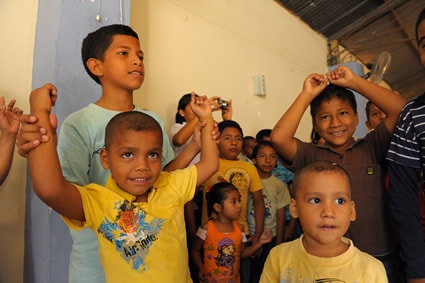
260	145
367	109
262	134
332	91
229	124
421	18
95	43
130	120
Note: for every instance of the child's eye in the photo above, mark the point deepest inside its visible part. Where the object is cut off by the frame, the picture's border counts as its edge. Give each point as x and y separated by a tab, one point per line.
141	57
123	53
314	200
154	155
340	201
324	117
239	139
127	155
343	113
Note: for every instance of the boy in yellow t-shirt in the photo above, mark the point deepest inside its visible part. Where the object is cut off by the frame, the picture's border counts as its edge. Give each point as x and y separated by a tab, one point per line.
138	216
322	202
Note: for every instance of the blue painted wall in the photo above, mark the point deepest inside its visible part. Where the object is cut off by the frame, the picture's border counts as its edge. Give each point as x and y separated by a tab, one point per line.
60	29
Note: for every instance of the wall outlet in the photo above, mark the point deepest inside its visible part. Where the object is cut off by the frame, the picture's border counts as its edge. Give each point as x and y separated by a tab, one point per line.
259	85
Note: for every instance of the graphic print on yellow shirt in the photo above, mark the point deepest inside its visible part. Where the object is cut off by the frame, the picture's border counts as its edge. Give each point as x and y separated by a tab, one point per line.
131	234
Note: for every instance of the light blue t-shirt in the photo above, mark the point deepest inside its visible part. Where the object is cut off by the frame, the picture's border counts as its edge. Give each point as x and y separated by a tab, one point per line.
81	137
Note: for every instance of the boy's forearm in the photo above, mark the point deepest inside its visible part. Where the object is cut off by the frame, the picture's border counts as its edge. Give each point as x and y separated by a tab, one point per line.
184	158
388	101
259	215
185	133
46	174
208	163
283	133
43	160
251	250
280	227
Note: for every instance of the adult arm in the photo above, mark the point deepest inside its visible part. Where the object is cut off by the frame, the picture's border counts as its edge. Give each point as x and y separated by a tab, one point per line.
404	205
283	133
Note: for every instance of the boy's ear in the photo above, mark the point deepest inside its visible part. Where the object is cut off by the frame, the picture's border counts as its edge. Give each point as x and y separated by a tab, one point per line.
293	208
353	211
95	66
104	158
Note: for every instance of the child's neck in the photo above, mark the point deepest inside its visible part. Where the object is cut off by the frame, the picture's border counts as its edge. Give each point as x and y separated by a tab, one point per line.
224	225
116	100
319	250
264	175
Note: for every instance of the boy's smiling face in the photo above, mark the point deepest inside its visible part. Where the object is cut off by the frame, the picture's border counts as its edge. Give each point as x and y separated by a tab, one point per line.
134	165
336	123
230	143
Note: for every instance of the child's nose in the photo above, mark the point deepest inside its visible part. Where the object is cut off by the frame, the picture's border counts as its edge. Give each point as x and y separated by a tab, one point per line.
142	165
137	61
328	210
335	121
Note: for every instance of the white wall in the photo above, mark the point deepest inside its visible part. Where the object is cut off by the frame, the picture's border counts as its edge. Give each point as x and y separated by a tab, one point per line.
216	47
17	21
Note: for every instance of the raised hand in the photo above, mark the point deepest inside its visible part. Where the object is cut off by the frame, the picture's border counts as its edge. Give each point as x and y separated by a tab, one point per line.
43	99
9	117
341	76
314	84
201	107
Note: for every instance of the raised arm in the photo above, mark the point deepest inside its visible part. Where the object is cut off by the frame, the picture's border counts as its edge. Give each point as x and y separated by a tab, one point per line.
283	133
9	126
46	174
388	101
185	132
208	163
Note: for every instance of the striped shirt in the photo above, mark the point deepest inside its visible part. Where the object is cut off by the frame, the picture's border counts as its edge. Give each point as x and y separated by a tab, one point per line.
408	142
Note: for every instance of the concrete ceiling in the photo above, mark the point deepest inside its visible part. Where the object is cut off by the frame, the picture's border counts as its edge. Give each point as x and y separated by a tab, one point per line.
365	29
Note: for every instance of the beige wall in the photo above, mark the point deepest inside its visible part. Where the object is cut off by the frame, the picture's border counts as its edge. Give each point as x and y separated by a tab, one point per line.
17	21
216	47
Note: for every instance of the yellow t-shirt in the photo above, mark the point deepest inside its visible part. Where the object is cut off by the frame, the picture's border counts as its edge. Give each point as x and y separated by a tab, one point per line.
243	176
289	262
141	242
